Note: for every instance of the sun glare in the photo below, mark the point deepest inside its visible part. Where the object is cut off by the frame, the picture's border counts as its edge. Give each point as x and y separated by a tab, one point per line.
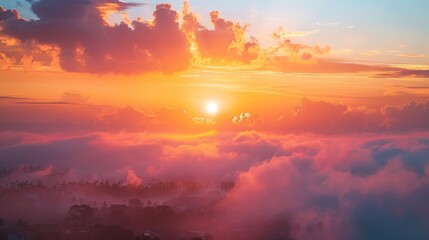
212	107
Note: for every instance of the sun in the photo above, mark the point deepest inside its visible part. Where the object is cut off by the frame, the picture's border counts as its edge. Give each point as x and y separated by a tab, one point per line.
212	107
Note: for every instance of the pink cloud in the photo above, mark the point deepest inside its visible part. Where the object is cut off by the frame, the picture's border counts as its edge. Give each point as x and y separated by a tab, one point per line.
413	115
318	185
328	191
132	179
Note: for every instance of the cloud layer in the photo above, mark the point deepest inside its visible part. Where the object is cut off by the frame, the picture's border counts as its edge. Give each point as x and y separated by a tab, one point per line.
296	186
71	114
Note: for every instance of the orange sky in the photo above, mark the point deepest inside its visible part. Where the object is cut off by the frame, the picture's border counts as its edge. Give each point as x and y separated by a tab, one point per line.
181	60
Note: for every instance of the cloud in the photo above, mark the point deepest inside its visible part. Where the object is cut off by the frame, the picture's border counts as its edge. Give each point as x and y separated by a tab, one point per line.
313	64
24	55
281	33
76	36
410	116
12	98
302	186
43	103
76	116
162	156
69	153
401	73
126	118
6	14
87	43
133	179
324	117
324	196
295	52
310	116
6	61
227	43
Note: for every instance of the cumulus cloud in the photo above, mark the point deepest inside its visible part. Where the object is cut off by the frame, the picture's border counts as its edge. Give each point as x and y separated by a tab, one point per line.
76	36
87	43
413	115
227	43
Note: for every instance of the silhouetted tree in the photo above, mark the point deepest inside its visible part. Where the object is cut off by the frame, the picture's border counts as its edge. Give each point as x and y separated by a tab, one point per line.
80	211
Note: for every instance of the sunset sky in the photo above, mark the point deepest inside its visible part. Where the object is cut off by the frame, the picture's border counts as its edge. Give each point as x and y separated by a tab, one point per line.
275	95
249	55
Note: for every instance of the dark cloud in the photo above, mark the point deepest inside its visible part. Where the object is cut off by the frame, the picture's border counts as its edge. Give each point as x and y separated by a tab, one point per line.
75	36
401	73
8	14
12	98
89	44
410	87
410	116
43	103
